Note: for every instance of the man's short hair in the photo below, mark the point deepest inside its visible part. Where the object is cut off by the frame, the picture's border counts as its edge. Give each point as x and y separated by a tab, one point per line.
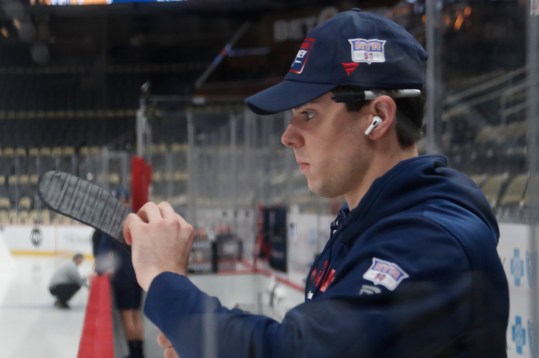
410	114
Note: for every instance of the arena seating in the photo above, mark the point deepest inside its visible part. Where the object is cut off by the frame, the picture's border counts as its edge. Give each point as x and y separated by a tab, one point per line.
484	135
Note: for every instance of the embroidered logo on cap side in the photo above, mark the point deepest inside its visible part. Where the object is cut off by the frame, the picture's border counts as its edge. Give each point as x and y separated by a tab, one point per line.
368	51
350	67
385	273
303	55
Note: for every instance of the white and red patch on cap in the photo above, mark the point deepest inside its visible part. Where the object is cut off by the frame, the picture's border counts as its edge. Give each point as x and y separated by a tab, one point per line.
369	51
303	55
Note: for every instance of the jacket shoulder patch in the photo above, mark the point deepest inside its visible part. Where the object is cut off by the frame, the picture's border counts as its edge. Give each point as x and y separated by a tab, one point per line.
385	273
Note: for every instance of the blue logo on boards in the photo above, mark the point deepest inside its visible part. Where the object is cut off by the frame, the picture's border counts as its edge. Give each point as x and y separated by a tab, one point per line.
519	334
532	336
517	267
531	268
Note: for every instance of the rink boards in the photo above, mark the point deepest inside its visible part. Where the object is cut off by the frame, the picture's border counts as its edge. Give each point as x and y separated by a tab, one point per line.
48	239
273	293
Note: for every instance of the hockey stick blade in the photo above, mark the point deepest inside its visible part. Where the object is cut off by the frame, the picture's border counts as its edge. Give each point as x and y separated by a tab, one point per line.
83	201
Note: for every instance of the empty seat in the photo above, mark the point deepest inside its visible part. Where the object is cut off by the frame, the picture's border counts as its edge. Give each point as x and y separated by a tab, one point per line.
66	159
4	217
24	184
514	194
8	152
493	186
3	188
46	160
12	216
5	204
13	186
533	184
25	203
158	186
479	179
114	179
23	217
40	217
159	153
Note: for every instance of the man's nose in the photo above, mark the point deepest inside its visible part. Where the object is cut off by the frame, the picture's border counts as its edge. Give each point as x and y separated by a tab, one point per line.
290	137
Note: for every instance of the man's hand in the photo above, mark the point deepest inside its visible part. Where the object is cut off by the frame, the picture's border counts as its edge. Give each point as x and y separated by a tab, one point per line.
168	351
161	241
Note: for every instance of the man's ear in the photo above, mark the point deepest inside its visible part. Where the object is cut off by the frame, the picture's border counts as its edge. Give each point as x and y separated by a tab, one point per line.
383	111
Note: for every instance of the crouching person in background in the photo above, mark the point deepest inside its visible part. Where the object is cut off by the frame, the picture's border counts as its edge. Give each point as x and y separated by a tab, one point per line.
66	281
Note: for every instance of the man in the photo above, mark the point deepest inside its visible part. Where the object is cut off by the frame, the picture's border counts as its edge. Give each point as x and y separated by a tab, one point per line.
410	268
114	260
66	281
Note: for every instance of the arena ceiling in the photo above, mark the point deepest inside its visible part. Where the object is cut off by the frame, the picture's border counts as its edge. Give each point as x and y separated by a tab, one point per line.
177	40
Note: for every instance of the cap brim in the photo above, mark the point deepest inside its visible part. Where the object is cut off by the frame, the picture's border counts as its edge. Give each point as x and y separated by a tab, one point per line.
285	95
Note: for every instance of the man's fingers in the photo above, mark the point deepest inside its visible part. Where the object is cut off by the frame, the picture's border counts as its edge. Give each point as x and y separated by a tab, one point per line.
182	221
161	241
149	212
132	220
167	211
168	350
163	341
170	353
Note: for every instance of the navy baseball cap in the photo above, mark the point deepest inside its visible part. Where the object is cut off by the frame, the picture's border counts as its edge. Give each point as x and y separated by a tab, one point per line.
353	48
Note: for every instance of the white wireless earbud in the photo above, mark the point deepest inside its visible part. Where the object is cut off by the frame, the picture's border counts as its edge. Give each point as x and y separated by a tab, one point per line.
375	123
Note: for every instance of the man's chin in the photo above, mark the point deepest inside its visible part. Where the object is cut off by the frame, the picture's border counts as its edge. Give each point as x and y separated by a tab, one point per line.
316	190
322	192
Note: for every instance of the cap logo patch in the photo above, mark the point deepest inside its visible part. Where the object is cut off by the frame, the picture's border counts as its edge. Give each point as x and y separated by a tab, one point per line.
350	67
385	273
303	55
368	51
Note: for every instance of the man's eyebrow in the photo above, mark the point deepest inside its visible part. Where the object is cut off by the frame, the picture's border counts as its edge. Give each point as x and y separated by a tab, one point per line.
316	100
313	101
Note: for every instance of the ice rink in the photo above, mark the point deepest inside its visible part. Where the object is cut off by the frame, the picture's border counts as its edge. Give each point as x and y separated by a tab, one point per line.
30	325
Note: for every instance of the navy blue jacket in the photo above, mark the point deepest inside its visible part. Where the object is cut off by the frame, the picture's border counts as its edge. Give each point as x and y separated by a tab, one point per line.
413	271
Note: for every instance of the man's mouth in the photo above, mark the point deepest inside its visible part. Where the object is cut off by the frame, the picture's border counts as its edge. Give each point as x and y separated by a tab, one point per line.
303	166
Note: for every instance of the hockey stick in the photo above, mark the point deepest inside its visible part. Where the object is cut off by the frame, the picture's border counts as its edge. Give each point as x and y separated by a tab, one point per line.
83	201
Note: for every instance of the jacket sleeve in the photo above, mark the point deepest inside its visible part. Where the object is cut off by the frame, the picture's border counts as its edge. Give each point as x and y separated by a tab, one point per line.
336	326
199	326
426	316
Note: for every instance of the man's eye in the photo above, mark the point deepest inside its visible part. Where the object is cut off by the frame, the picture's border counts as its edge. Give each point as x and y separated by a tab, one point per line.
309	115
